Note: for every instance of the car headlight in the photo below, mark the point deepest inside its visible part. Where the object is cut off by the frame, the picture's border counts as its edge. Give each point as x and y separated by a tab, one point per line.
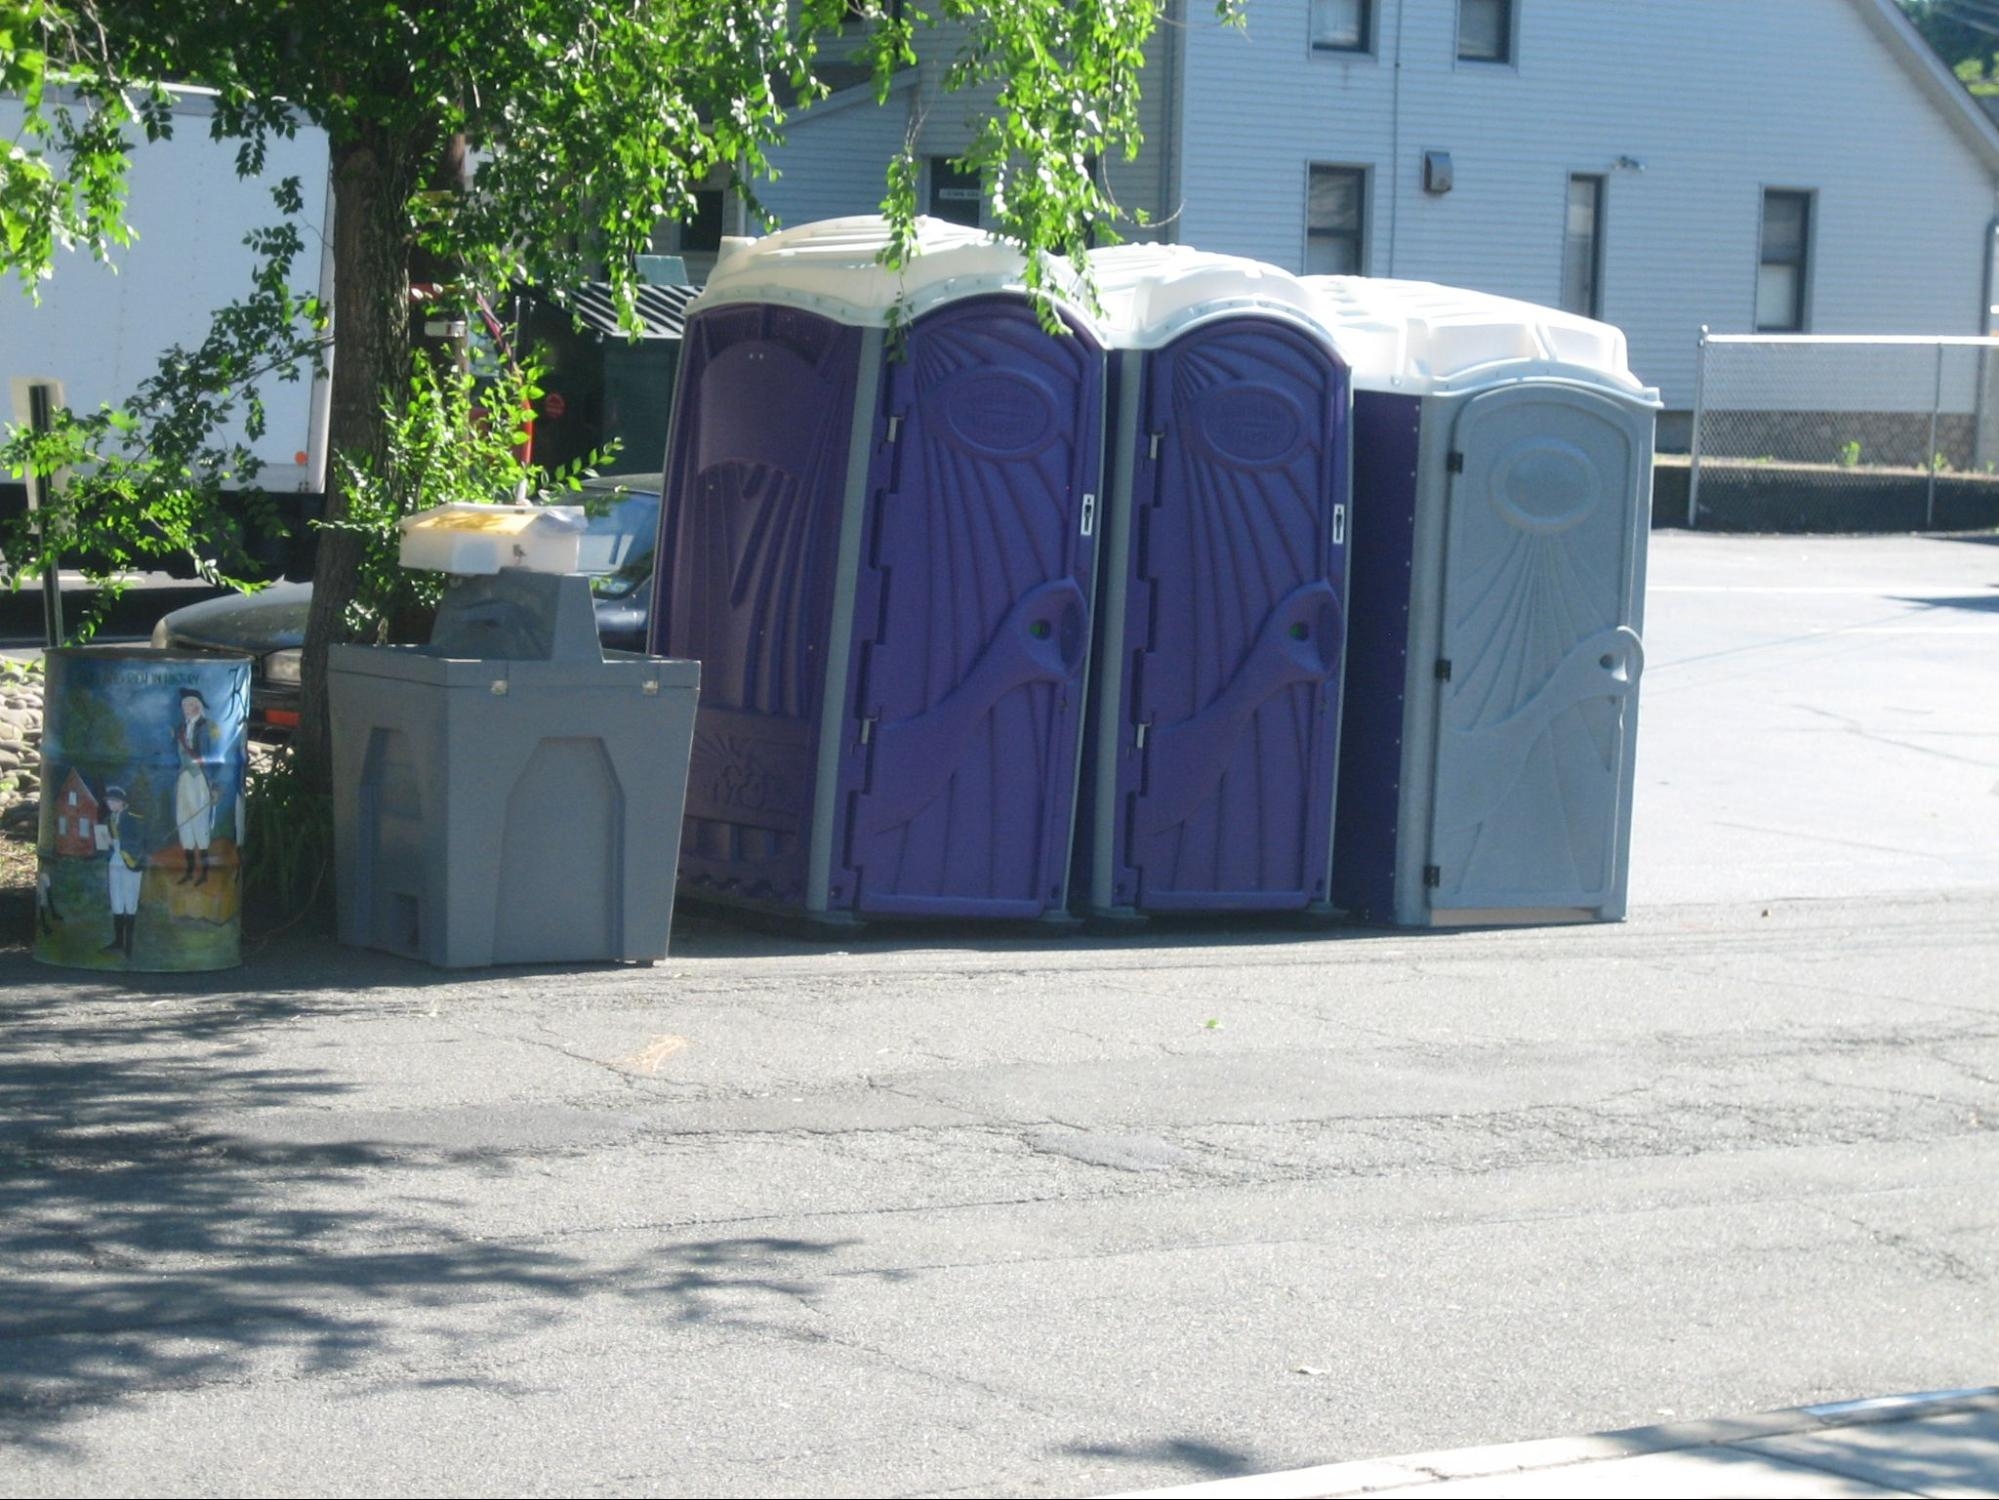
282	667
162	637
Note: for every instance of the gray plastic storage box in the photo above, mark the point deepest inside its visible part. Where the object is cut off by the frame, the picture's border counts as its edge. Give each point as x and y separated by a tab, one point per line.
510	793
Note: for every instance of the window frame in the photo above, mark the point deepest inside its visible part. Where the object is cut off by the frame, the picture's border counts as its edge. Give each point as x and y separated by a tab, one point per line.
852	23
1597	237
931	164
1366	46
1801	300
1509	37
1361	233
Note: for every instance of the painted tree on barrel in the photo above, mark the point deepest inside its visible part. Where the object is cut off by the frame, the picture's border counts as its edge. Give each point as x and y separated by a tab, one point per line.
498	141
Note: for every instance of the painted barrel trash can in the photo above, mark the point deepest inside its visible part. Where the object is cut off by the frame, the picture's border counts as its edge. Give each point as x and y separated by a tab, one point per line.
139	850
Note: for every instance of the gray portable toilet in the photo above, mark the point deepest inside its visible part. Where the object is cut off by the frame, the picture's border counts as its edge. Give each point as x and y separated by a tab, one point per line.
1502	503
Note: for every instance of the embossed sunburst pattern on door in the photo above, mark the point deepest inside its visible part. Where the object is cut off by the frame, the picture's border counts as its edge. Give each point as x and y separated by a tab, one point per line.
980	576
753	508
1543	662
1239	620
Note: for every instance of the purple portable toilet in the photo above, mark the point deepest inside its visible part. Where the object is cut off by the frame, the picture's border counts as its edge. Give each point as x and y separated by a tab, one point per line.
1216	694
880	546
1503	484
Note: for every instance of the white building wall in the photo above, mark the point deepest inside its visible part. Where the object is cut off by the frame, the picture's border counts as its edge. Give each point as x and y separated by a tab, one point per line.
1718	99
835	161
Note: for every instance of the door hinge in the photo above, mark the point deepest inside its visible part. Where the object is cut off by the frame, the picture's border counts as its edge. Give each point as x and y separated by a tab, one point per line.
1152	451
1433	876
1144	724
1089	514
1339	525
1454	461
867	730
894	426
1443	669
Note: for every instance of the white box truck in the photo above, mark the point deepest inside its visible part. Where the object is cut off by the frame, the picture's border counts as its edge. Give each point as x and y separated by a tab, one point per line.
100	329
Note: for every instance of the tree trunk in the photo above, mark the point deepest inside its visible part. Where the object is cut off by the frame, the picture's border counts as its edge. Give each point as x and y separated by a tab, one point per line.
370	360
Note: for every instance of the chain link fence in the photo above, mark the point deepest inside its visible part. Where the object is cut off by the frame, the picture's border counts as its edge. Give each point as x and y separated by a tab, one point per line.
1784	420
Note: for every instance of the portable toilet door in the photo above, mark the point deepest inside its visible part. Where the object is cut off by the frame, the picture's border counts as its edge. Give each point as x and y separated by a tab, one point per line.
1218	702
1503	471
771	402
1540	654
972	617
946	659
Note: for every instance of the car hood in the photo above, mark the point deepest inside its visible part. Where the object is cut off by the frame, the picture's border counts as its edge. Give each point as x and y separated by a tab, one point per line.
271	619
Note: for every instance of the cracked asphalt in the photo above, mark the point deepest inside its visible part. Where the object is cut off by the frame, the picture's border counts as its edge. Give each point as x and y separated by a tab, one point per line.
1004	1215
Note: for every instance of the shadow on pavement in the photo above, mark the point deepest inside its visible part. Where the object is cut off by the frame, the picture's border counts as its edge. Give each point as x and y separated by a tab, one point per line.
143	1248
312	962
1202	1460
1988	603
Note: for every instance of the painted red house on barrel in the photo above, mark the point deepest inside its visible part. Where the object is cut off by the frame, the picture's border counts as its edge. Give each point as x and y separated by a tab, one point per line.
76	817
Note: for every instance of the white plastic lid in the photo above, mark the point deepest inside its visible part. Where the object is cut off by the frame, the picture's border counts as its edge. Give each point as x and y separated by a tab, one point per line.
832	267
472	539
1419	338
1153	293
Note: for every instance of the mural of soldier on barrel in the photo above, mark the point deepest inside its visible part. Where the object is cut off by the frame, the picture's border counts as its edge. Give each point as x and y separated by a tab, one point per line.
140	849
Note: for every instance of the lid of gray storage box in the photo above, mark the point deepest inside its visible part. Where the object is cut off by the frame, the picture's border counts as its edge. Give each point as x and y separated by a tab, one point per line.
513	624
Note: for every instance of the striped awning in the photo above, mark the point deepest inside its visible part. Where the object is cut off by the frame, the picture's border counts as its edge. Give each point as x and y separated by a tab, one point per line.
662	309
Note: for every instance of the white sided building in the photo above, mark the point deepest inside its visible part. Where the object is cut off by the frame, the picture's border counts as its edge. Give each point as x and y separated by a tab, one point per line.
1775	165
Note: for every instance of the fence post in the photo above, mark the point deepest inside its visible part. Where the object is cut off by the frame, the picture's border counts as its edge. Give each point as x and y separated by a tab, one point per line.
1694	456
40	399
1930	452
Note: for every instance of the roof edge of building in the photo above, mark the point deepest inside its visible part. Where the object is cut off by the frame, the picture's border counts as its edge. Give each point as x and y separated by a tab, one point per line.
1893	25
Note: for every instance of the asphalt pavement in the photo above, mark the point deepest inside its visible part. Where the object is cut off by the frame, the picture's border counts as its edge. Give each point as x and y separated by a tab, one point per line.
1000	1215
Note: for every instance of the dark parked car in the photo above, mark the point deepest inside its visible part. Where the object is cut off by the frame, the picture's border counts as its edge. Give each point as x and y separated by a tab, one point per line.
617	551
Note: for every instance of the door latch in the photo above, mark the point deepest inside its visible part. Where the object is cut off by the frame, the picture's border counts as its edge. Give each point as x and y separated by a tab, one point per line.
1089	514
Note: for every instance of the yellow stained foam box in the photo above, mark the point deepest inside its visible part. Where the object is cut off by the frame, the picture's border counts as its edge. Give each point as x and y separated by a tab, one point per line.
476	539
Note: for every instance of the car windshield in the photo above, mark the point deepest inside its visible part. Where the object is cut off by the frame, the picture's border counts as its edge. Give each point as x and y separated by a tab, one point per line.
627	579
620	535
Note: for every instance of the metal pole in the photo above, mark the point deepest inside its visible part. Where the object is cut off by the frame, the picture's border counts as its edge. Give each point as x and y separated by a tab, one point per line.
1930	451
38	422
1694	458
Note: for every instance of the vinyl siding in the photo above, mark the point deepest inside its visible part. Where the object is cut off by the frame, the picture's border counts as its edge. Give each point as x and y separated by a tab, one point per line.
1718	99
833	161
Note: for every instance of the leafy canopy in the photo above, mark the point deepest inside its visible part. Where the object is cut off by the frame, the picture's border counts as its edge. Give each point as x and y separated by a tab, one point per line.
588	122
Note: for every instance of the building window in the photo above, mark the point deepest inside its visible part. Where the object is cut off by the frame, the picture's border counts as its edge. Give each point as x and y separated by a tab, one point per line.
955	194
1335	221
1342	25
860	12
1780	277
701	233
1582	248
1485	30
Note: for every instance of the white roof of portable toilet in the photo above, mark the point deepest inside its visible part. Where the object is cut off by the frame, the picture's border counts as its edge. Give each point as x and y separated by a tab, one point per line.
1152	294
833	267
1419	338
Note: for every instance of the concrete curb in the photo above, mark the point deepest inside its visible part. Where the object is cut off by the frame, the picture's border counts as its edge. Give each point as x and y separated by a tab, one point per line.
1367	1475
